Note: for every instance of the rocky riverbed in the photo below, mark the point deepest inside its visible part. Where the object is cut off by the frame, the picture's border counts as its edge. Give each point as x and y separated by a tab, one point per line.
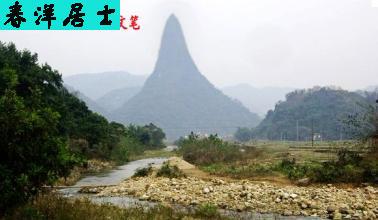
325	201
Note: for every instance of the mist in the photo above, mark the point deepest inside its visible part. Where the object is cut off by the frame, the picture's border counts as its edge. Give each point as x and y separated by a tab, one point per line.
291	43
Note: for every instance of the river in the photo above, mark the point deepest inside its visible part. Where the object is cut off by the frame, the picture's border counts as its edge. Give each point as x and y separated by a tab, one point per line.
120	173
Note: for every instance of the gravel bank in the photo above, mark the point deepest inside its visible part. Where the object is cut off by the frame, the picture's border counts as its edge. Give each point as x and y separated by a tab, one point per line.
325	201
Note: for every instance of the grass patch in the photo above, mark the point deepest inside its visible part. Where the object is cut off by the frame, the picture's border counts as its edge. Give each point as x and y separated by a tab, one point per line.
346	166
53	206
208	210
240	171
349	167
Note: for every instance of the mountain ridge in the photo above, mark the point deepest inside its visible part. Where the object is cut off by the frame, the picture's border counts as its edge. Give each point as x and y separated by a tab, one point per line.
96	85
178	98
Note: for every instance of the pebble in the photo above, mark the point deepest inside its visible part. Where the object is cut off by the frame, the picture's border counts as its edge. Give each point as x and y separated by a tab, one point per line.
331	209
206	190
293	196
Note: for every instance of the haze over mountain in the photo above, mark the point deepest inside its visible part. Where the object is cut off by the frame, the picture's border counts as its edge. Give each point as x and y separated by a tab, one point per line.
321	109
178	98
91	104
258	100
118	97
97	85
371	88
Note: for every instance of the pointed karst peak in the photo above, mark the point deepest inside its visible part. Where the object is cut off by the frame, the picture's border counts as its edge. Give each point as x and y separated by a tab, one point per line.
173	35
172	19
173	49
173	23
176	94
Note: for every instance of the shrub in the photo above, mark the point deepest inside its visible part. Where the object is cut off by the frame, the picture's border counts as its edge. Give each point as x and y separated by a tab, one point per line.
345	157
293	170
370	172
206	151
142	172
169	171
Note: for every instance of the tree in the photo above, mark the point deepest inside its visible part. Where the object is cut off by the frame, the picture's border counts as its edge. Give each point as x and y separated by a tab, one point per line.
149	135
32	152
45	130
243	134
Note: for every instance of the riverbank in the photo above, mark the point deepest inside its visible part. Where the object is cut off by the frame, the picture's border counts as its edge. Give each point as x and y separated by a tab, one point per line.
92	167
325	201
98	166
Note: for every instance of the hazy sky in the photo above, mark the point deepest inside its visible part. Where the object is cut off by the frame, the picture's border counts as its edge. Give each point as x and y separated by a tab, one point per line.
286	43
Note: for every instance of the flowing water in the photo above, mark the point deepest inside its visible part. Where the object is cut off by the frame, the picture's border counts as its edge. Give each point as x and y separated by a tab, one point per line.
112	177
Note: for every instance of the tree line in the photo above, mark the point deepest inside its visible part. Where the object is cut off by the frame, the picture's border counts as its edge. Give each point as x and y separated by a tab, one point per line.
45	130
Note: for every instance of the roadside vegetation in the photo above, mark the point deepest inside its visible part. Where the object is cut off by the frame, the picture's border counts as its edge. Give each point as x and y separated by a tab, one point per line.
154	153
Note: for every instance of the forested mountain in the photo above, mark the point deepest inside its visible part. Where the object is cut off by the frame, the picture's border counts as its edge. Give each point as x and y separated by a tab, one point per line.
97	85
320	111
178	98
370	93
258	100
116	98
92	105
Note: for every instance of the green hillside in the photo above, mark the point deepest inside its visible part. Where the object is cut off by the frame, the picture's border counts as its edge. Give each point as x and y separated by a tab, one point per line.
321	111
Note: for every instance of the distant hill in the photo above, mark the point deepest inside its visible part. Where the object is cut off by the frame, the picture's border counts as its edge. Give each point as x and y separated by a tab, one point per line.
178	98
258	100
97	85
320	109
92	105
116	98
371	89
370	95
